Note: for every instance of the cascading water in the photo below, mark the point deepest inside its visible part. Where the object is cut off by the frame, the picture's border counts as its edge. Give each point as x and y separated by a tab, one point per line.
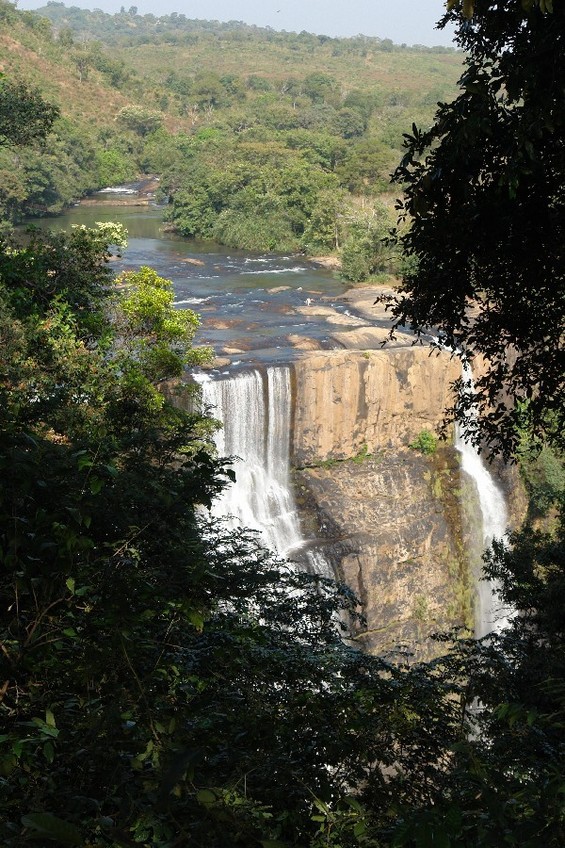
490	614
255	410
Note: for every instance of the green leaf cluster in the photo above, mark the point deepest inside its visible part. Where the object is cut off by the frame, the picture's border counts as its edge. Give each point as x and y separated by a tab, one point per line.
257	195
25	117
366	251
425	442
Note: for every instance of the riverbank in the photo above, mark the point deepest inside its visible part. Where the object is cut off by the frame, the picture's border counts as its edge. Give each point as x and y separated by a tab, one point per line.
331	262
139	193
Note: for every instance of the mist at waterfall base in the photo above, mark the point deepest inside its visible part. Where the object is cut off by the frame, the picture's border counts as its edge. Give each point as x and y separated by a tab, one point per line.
255	410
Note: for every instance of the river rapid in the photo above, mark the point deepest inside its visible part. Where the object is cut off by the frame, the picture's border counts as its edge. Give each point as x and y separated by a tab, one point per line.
255	308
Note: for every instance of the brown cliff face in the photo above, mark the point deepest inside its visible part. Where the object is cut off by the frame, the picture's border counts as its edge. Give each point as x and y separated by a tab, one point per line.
390	516
392	527
346	400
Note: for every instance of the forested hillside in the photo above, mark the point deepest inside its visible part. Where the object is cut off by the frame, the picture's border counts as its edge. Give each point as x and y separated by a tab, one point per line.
264	140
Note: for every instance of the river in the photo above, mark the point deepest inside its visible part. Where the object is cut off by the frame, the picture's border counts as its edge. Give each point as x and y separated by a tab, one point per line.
255	308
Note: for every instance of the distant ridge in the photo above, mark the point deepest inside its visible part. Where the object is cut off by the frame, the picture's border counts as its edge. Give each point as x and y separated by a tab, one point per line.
132	26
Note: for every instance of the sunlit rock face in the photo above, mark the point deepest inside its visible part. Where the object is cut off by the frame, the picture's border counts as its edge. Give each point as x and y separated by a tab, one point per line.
390	516
402	529
394	534
345	400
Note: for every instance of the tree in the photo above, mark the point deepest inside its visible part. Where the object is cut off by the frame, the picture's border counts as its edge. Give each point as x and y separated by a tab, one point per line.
320	88
152	334
139	120
81	419
66	37
365	251
485	202
253	195
46	162
350	123
25	117
113	167
324	226
367	167
208	91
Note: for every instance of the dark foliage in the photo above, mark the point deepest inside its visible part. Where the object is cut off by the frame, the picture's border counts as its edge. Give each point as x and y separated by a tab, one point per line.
486	204
25	117
165	682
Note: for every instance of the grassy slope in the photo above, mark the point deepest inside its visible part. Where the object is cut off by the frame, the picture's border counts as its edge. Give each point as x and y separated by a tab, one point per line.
413	79
410	72
31	57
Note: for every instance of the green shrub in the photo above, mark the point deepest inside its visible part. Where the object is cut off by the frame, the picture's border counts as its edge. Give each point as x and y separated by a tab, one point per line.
425	442
543	471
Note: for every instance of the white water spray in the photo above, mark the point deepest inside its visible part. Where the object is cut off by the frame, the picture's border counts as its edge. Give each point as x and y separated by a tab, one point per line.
490	614
255	411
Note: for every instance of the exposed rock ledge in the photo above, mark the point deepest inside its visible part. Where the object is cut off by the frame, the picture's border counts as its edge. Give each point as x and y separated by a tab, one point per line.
331	261
347	400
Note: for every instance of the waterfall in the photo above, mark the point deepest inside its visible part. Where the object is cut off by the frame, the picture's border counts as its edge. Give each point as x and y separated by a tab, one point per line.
255	410
490	614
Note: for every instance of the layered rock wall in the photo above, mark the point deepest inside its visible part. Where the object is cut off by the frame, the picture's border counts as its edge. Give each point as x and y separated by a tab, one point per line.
389	516
392	529
348	401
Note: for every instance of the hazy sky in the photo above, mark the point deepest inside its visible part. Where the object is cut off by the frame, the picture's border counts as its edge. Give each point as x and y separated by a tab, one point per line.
409	21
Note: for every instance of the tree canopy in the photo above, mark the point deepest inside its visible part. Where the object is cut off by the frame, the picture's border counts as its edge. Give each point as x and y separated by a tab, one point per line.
24	115
485	202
